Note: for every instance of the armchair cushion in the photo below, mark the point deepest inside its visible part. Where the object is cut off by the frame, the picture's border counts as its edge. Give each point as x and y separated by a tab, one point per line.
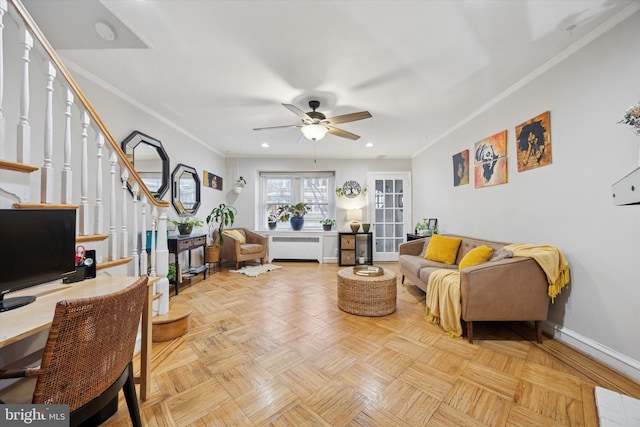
237	234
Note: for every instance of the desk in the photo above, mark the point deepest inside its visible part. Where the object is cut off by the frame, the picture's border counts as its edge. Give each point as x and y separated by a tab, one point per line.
178	244
26	321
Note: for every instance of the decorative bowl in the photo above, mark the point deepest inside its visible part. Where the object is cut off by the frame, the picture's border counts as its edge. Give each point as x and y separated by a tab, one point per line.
368	270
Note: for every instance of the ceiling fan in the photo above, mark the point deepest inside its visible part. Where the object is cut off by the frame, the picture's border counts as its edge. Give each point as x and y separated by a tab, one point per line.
315	125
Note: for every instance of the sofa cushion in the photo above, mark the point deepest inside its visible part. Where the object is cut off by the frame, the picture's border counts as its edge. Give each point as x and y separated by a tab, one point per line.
443	249
413	263
425	272
475	256
236	234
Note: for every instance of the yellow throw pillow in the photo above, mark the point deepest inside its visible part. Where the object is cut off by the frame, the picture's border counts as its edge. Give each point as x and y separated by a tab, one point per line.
443	249
477	255
236	234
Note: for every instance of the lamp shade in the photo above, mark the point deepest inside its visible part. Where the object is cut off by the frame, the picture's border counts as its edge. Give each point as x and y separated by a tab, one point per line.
314	132
354	214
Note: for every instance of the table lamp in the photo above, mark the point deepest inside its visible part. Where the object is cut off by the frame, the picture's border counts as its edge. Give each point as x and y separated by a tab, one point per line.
354	215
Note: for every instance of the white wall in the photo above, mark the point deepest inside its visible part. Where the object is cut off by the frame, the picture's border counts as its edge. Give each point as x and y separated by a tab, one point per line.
568	203
122	118
351	169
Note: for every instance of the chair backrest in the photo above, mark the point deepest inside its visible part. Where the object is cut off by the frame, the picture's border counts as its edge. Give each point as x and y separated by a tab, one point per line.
90	343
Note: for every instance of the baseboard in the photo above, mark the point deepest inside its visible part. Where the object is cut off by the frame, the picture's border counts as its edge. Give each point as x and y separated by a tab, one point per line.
615	360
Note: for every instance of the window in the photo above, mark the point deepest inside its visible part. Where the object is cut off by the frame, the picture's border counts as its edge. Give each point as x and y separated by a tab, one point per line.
288	188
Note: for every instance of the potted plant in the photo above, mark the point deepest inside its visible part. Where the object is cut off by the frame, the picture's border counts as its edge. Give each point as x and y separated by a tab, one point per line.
239	185
327	224
186	223
224	215
295	213
272	221
361	257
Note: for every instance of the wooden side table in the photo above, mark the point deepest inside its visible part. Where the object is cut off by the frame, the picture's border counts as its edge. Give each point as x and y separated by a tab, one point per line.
179	244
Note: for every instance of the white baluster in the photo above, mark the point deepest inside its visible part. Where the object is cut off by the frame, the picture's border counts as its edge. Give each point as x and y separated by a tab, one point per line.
98	218
134	231
113	236
162	259
154	224
46	171
24	128
124	238
144	254
67	183
83	220
3	10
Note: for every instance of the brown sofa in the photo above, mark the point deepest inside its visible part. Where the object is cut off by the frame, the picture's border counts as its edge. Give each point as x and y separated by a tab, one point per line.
508	289
255	247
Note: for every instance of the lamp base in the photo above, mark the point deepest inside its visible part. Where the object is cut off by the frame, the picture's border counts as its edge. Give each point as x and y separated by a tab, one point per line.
355	226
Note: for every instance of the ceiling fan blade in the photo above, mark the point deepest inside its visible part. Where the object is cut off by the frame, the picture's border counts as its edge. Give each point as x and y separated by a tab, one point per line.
279	127
342	133
348	118
298	112
301	139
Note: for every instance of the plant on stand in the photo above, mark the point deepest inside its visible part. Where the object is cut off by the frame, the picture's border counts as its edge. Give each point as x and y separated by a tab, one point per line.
185	224
295	213
223	215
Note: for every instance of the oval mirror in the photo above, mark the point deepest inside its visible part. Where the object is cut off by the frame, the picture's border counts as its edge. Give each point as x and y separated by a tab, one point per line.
186	190
150	160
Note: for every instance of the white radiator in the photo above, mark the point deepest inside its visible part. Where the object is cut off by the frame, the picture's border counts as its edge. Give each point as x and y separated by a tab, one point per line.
295	247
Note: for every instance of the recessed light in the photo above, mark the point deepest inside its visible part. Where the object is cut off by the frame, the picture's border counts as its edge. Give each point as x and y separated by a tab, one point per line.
105	31
265	145
369	144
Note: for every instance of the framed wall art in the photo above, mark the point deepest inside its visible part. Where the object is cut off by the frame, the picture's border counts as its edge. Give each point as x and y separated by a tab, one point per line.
211	180
491	160
461	168
533	142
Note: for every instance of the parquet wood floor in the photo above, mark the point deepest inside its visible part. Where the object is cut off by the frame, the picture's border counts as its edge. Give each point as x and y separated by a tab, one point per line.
276	350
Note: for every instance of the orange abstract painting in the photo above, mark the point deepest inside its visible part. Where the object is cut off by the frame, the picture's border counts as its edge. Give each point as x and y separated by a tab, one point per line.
491	160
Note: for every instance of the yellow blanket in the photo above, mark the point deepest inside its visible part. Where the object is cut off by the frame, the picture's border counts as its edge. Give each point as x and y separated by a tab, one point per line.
443	301
550	259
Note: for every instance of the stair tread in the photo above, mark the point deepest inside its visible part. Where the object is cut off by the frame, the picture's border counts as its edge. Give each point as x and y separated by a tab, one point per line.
176	312
17	167
33	205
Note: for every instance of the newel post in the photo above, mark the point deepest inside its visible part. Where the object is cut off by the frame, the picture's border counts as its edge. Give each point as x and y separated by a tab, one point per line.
162	262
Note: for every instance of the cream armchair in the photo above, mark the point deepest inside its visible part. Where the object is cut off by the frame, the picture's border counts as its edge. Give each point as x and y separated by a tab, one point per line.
241	244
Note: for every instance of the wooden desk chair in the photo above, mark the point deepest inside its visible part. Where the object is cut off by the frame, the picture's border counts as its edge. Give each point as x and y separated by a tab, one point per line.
88	355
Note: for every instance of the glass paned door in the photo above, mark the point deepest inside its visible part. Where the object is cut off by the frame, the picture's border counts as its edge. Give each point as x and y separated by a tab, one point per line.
390	207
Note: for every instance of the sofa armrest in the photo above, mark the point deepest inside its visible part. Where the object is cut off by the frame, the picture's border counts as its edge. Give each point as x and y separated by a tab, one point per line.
509	289
413	247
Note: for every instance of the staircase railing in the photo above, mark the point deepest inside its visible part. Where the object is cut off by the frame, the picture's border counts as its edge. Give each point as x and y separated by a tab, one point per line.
68	123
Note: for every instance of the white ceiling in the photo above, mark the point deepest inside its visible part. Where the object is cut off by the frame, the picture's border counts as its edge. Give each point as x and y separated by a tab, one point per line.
216	69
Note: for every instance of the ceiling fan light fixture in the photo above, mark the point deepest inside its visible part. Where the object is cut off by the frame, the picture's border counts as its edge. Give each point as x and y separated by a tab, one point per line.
314	132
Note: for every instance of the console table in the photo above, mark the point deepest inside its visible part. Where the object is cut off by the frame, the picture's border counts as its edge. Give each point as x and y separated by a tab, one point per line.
179	244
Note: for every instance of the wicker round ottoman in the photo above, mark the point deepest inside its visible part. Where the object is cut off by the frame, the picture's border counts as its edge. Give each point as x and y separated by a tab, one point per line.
367	295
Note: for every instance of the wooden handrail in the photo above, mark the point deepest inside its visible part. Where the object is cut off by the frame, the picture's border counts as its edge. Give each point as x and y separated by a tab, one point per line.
39	35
